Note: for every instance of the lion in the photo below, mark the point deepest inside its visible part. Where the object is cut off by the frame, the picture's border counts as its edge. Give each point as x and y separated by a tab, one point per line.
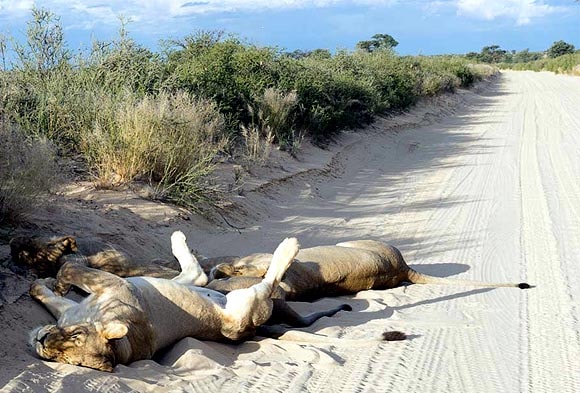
46	256
128	319
342	269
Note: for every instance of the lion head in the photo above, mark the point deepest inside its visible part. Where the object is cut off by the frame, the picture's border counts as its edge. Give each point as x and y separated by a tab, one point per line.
86	344
41	256
254	265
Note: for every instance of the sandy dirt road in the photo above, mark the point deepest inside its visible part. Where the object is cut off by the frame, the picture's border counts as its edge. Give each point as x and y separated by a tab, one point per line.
490	193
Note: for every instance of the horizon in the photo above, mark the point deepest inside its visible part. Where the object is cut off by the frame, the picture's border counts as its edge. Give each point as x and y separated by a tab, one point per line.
421	28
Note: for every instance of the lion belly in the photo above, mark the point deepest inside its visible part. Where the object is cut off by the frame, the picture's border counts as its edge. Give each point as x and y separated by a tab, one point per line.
176	311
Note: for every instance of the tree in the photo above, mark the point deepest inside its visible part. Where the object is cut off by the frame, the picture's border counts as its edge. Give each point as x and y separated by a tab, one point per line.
316	53
378	42
492	54
45	47
560	48
525	56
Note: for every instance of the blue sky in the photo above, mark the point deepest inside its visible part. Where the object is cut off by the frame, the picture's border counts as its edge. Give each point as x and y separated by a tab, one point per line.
421	27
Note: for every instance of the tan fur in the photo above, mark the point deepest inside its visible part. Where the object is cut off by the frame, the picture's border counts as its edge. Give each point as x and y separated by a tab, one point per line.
44	257
345	268
124	320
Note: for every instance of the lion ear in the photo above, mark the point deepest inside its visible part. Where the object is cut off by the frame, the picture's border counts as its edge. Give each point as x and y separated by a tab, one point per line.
114	330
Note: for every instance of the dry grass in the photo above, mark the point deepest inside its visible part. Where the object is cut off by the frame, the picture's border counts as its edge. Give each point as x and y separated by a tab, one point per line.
168	141
27	172
274	115
258	143
272	122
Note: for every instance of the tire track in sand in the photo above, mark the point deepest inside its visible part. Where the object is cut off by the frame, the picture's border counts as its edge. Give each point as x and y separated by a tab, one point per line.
552	343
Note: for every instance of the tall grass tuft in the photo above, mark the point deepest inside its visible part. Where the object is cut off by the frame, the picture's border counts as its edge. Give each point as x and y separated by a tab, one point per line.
27	172
275	114
169	141
258	143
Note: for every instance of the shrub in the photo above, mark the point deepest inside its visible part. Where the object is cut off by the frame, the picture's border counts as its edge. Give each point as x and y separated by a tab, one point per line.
395	79
483	71
27	172
331	99
561	65
433	83
228	72
60	108
169	141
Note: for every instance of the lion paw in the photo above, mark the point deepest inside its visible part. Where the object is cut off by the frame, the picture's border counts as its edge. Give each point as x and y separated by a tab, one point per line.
288	248
178	237
40	285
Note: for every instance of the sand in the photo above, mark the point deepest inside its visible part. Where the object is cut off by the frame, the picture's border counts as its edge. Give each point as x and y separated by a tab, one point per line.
481	185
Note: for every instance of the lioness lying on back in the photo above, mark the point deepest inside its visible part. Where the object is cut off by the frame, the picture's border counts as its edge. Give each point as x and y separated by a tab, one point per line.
46	256
345	268
124	320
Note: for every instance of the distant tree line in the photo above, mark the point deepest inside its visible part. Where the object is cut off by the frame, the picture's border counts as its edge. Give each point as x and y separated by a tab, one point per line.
378	42
495	54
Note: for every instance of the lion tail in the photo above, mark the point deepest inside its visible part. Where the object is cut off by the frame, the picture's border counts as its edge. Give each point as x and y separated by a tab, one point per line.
419	278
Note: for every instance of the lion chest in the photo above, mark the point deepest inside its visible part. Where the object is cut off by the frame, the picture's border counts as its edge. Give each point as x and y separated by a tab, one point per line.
96	308
176	311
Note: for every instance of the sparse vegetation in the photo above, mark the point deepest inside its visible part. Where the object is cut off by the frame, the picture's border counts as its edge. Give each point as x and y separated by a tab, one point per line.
566	64
257	143
161	118
27	171
273	113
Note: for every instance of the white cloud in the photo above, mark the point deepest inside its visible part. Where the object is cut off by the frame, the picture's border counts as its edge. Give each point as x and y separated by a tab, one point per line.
15	8
522	11
106	11
153	13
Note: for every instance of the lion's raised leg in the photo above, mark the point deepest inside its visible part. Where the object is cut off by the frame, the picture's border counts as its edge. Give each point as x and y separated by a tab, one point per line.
88	279
41	290
248	308
191	271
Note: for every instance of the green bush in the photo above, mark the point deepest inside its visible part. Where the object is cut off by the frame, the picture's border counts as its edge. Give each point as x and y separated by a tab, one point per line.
228	72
